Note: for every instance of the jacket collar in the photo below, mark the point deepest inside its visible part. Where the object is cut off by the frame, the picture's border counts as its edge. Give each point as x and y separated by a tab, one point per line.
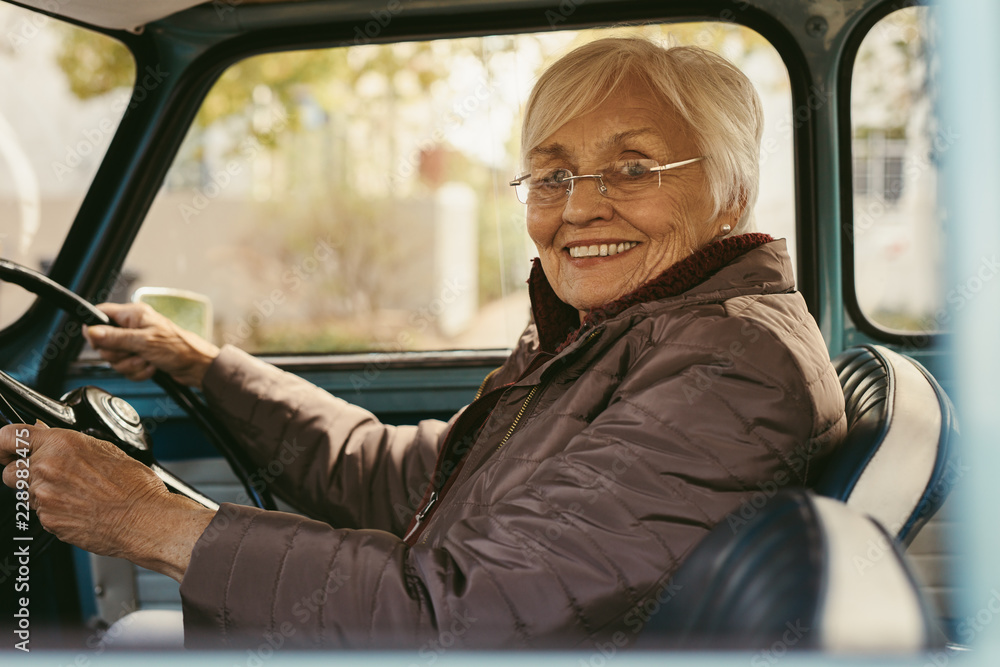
558	323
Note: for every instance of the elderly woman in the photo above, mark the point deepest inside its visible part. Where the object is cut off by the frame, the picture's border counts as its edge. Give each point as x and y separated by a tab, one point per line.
671	370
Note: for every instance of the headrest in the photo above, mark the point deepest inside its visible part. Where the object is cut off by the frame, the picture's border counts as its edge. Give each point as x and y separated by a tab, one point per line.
896	463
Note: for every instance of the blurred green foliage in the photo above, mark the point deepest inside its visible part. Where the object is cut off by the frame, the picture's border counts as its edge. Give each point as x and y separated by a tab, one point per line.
94	64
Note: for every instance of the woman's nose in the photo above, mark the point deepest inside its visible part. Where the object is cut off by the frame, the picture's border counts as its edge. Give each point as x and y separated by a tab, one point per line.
585	203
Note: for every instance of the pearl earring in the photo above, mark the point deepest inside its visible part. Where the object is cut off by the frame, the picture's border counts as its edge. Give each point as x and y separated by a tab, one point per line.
726	229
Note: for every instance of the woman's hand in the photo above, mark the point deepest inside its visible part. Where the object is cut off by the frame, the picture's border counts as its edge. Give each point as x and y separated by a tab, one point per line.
89	493
149	341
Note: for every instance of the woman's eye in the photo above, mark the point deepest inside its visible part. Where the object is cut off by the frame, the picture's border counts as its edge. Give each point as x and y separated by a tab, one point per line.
554	176
633	168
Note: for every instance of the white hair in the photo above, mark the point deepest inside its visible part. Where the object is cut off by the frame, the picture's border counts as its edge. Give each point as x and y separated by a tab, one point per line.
707	92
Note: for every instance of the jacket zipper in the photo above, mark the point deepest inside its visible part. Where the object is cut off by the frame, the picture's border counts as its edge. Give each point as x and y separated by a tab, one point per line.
418	519
517	418
424	511
485	380
527	400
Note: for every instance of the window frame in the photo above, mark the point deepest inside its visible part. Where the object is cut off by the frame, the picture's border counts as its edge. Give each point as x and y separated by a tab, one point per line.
852	306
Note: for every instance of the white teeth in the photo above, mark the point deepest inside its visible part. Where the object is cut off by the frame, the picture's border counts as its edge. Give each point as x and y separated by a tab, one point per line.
602	250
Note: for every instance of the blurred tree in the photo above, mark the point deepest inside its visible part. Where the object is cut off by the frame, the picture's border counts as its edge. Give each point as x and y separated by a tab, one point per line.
891	75
93	63
95	66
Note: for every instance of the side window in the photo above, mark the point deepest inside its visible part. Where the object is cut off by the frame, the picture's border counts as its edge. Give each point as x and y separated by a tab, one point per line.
357	198
56	122
897	142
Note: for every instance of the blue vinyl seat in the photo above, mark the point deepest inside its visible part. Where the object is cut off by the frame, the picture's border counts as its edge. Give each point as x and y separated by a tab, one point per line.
806	572
897	463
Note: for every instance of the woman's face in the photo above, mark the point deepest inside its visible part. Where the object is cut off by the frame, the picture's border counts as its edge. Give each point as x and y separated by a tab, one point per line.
662	225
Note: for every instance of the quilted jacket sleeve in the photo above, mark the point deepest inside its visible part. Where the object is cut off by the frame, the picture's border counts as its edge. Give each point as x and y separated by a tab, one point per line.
577	549
328	458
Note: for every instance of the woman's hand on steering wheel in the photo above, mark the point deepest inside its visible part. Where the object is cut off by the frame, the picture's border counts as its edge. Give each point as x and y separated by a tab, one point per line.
89	493
148	341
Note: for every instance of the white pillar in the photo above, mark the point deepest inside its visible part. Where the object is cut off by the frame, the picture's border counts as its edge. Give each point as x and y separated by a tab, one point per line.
456	257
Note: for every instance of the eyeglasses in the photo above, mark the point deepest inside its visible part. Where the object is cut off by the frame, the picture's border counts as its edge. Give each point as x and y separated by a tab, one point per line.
624	179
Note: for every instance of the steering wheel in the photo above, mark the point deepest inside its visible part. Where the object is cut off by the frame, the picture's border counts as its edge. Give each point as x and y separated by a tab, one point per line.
93	411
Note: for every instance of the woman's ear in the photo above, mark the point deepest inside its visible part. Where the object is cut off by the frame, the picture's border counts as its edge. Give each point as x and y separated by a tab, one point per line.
732	217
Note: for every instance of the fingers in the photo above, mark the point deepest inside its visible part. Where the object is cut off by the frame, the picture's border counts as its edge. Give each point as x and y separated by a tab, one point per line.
135	368
16	447
15	470
130	340
14	442
114	356
129	315
153	342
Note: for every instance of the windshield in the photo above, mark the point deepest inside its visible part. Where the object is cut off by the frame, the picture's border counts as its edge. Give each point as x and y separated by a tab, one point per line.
357	198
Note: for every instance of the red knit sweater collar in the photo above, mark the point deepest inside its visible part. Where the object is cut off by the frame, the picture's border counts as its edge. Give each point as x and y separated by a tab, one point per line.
558	323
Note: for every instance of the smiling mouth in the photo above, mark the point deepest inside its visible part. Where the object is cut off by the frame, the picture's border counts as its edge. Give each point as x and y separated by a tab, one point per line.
602	250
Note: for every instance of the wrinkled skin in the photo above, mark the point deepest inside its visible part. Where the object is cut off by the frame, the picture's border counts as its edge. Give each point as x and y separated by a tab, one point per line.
148	341
668	223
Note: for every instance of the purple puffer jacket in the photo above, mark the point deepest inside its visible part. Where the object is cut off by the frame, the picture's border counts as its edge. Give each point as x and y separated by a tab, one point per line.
554	508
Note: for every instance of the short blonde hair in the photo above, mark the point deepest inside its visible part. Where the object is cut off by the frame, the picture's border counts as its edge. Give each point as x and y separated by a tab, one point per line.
708	92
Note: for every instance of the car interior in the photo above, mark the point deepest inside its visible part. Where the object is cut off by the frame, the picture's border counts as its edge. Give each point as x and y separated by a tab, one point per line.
323	183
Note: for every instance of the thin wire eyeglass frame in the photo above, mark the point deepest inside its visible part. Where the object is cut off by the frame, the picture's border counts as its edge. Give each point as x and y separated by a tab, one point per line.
601	187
